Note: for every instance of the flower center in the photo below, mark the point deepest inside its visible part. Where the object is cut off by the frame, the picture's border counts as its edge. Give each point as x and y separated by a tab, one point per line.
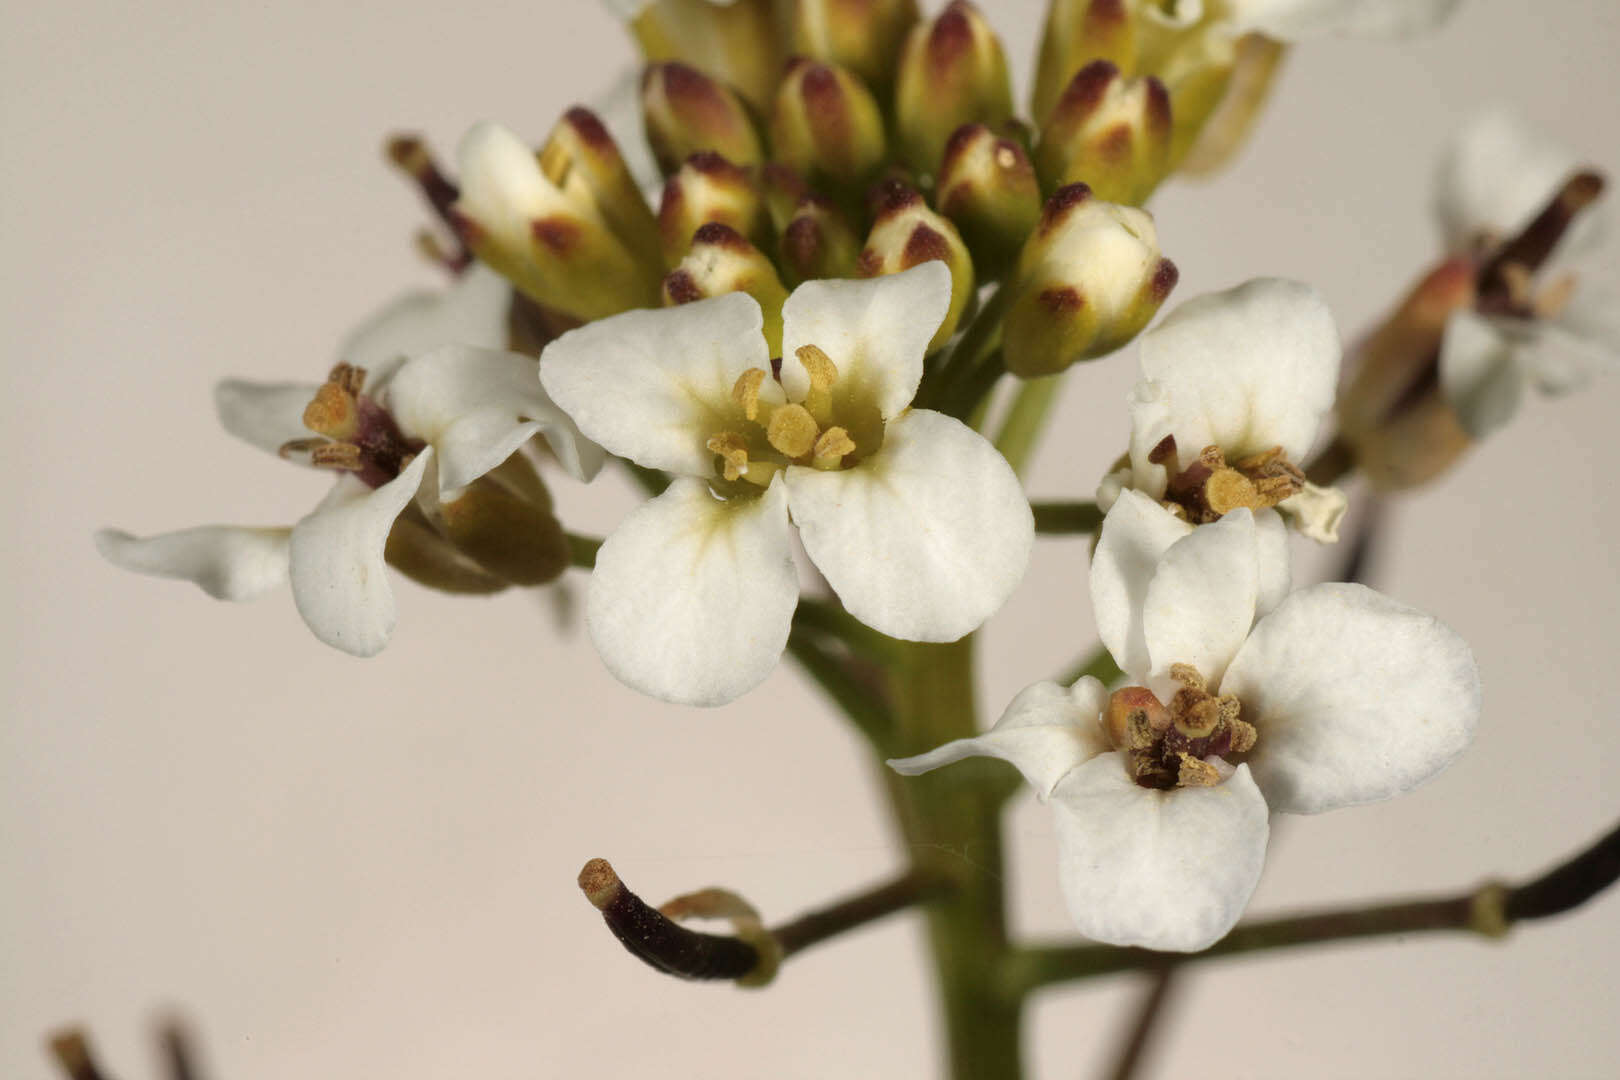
1210	487
764	438
1506	282
1170	747
358	435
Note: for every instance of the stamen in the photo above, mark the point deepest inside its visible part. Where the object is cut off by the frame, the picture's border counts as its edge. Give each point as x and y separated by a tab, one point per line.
746	391
1227	490
734	449
831	447
792	431
337	455
349	377
823	373
1196	773
1209	488
1188	676
1555	297
332	412
1527	252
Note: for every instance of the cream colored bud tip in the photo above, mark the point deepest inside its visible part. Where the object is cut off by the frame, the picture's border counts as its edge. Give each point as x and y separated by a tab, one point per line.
599	883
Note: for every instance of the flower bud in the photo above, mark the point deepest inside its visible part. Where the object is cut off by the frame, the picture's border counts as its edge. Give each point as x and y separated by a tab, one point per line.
1089	279
1393	414
722	261
861	35
734	42
826	126
784	190
952	72
552	243
818	242
1078	32
1194	61
708	188
686	112
905	233
1228	125
987	187
1107	132
581	158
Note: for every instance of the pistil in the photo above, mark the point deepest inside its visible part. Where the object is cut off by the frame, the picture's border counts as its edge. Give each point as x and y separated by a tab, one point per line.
1505	277
1177	745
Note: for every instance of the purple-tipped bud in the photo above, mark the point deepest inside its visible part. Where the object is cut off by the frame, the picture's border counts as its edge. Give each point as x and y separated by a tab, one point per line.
581	158
1109	133
686	112
1078	32
861	35
735	42
952	72
987	186
818	243
906	233
826	126
722	261
708	188
1088	281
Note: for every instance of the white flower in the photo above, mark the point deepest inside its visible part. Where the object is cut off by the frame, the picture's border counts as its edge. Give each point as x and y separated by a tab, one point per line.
1338	697
916	521
1547	310
402	432
1296	20
1233	388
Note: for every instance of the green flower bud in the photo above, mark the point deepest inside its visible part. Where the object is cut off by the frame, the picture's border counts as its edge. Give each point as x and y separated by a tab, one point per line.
686	112
1089	279
784	190
818	242
552	242
827	127
736	43
987	187
1078	32
708	188
1108	132
952	72
861	35
581	159
905	233
1227	127
722	261
1194	62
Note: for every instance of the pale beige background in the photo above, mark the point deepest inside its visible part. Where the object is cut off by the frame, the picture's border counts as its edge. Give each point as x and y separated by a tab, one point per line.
344	869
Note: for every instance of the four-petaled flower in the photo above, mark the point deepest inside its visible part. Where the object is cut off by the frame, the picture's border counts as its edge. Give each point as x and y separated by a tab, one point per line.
421	438
918	524
1339	696
1546	299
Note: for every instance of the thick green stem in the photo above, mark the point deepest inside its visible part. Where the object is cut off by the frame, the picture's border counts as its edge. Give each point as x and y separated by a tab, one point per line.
951	822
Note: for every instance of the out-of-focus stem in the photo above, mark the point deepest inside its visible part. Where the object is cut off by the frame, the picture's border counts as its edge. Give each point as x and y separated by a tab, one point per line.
1150	1017
1026	418
1066	518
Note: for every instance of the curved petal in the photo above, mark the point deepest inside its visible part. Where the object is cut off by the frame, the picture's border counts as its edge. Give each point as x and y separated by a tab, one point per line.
227	562
1315	512
502	187
339	579
1200	601
1246	370
472	311
1134	537
266	415
1046	731
1355	697
476	406
653	386
1494	177
692	598
1161	869
1276	569
875	330
924	540
1479	373
1295	20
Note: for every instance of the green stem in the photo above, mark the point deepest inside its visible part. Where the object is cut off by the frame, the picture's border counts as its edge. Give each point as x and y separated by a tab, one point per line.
582	550
1026	417
1066	518
973	365
828	617
951	822
844	679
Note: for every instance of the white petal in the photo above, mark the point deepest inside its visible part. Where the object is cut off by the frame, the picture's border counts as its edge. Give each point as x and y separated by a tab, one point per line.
1494	178
924	540
1246	370
876	332
266	415
692	598
653	386
1046	731
476	406
339	579
1168	870
1315	512
1135	535
1355	697
502	187
227	562
1293	20
1276	570
472	311
1479	373
1200	602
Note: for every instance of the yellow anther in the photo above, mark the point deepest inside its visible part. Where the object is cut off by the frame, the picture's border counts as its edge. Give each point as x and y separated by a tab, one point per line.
733	449
746	391
1187	676
347	376
823	373
1244	736
1228	489
792	431
340	455
332	411
1196	773
831	447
